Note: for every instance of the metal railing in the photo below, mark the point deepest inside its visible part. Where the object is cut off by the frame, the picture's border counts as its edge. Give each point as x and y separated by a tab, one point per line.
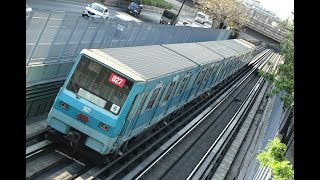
268	28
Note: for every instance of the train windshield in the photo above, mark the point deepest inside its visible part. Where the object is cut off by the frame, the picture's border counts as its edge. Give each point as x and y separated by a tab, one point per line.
99	85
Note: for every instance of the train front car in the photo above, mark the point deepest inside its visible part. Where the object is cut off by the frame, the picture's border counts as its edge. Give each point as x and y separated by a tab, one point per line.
90	108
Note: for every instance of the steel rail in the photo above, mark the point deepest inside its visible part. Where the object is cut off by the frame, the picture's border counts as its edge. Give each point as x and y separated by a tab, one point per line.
198	172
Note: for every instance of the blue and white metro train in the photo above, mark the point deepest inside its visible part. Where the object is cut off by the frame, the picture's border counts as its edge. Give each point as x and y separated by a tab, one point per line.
114	94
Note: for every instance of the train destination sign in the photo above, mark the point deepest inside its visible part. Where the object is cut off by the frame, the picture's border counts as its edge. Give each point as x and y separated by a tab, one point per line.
117	80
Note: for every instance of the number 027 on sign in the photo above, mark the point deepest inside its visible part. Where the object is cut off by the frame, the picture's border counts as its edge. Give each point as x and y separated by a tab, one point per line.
117	80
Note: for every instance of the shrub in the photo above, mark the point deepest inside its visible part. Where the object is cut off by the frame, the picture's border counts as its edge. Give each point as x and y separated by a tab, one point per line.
157	3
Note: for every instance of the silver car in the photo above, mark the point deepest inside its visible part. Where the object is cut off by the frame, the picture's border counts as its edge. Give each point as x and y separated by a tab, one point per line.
96	11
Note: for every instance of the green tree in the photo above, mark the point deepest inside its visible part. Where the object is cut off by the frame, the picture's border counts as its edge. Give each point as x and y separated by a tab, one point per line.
283	77
230	13
275	159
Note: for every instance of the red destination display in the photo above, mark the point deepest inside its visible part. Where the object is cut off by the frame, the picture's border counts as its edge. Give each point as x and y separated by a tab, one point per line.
117	80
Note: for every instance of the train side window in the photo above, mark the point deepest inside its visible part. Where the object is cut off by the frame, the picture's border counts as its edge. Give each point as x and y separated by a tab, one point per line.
183	85
166	97
200	77
246	56
144	97
214	69
207	74
153	98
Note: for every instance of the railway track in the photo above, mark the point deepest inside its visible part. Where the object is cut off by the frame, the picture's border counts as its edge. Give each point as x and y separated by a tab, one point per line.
133	155
39	98
47	160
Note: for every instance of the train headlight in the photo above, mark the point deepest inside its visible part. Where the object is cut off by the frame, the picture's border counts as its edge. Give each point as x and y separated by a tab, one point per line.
64	105
103	126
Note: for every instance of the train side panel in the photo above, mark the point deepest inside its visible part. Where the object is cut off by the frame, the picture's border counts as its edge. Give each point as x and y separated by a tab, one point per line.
197	83
206	78
152	105
166	96
204	57
189	88
174	102
209	75
214	73
220	71
174	92
151	95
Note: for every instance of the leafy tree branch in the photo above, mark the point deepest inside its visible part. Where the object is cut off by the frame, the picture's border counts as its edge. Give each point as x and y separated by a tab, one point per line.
274	158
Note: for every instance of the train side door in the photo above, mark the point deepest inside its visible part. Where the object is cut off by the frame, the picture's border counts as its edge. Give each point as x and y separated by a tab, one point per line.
182	90
164	101
152	103
196	85
222	70
136	121
133	114
215	73
191	85
204	81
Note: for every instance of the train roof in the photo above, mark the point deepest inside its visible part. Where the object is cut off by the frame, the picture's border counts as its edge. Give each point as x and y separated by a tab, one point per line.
246	43
142	63
235	45
219	48
238	45
195	52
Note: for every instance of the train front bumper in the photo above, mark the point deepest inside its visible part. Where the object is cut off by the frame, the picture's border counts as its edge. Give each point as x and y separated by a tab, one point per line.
95	140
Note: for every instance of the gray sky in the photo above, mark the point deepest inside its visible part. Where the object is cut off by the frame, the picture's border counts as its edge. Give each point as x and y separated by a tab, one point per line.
282	8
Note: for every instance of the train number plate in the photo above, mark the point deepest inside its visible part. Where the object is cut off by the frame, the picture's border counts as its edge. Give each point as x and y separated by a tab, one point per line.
117	80
114	108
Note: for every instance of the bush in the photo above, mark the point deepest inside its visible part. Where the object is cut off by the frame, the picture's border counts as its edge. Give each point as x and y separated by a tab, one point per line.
274	157
157	3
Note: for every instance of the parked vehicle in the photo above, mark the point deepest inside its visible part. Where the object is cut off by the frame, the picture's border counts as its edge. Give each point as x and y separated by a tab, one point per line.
28	10
169	17
208	23
201	17
135	8
96	11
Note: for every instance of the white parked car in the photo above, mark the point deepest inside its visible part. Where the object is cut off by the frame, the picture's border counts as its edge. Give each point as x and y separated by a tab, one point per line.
28	10
96	11
201	17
